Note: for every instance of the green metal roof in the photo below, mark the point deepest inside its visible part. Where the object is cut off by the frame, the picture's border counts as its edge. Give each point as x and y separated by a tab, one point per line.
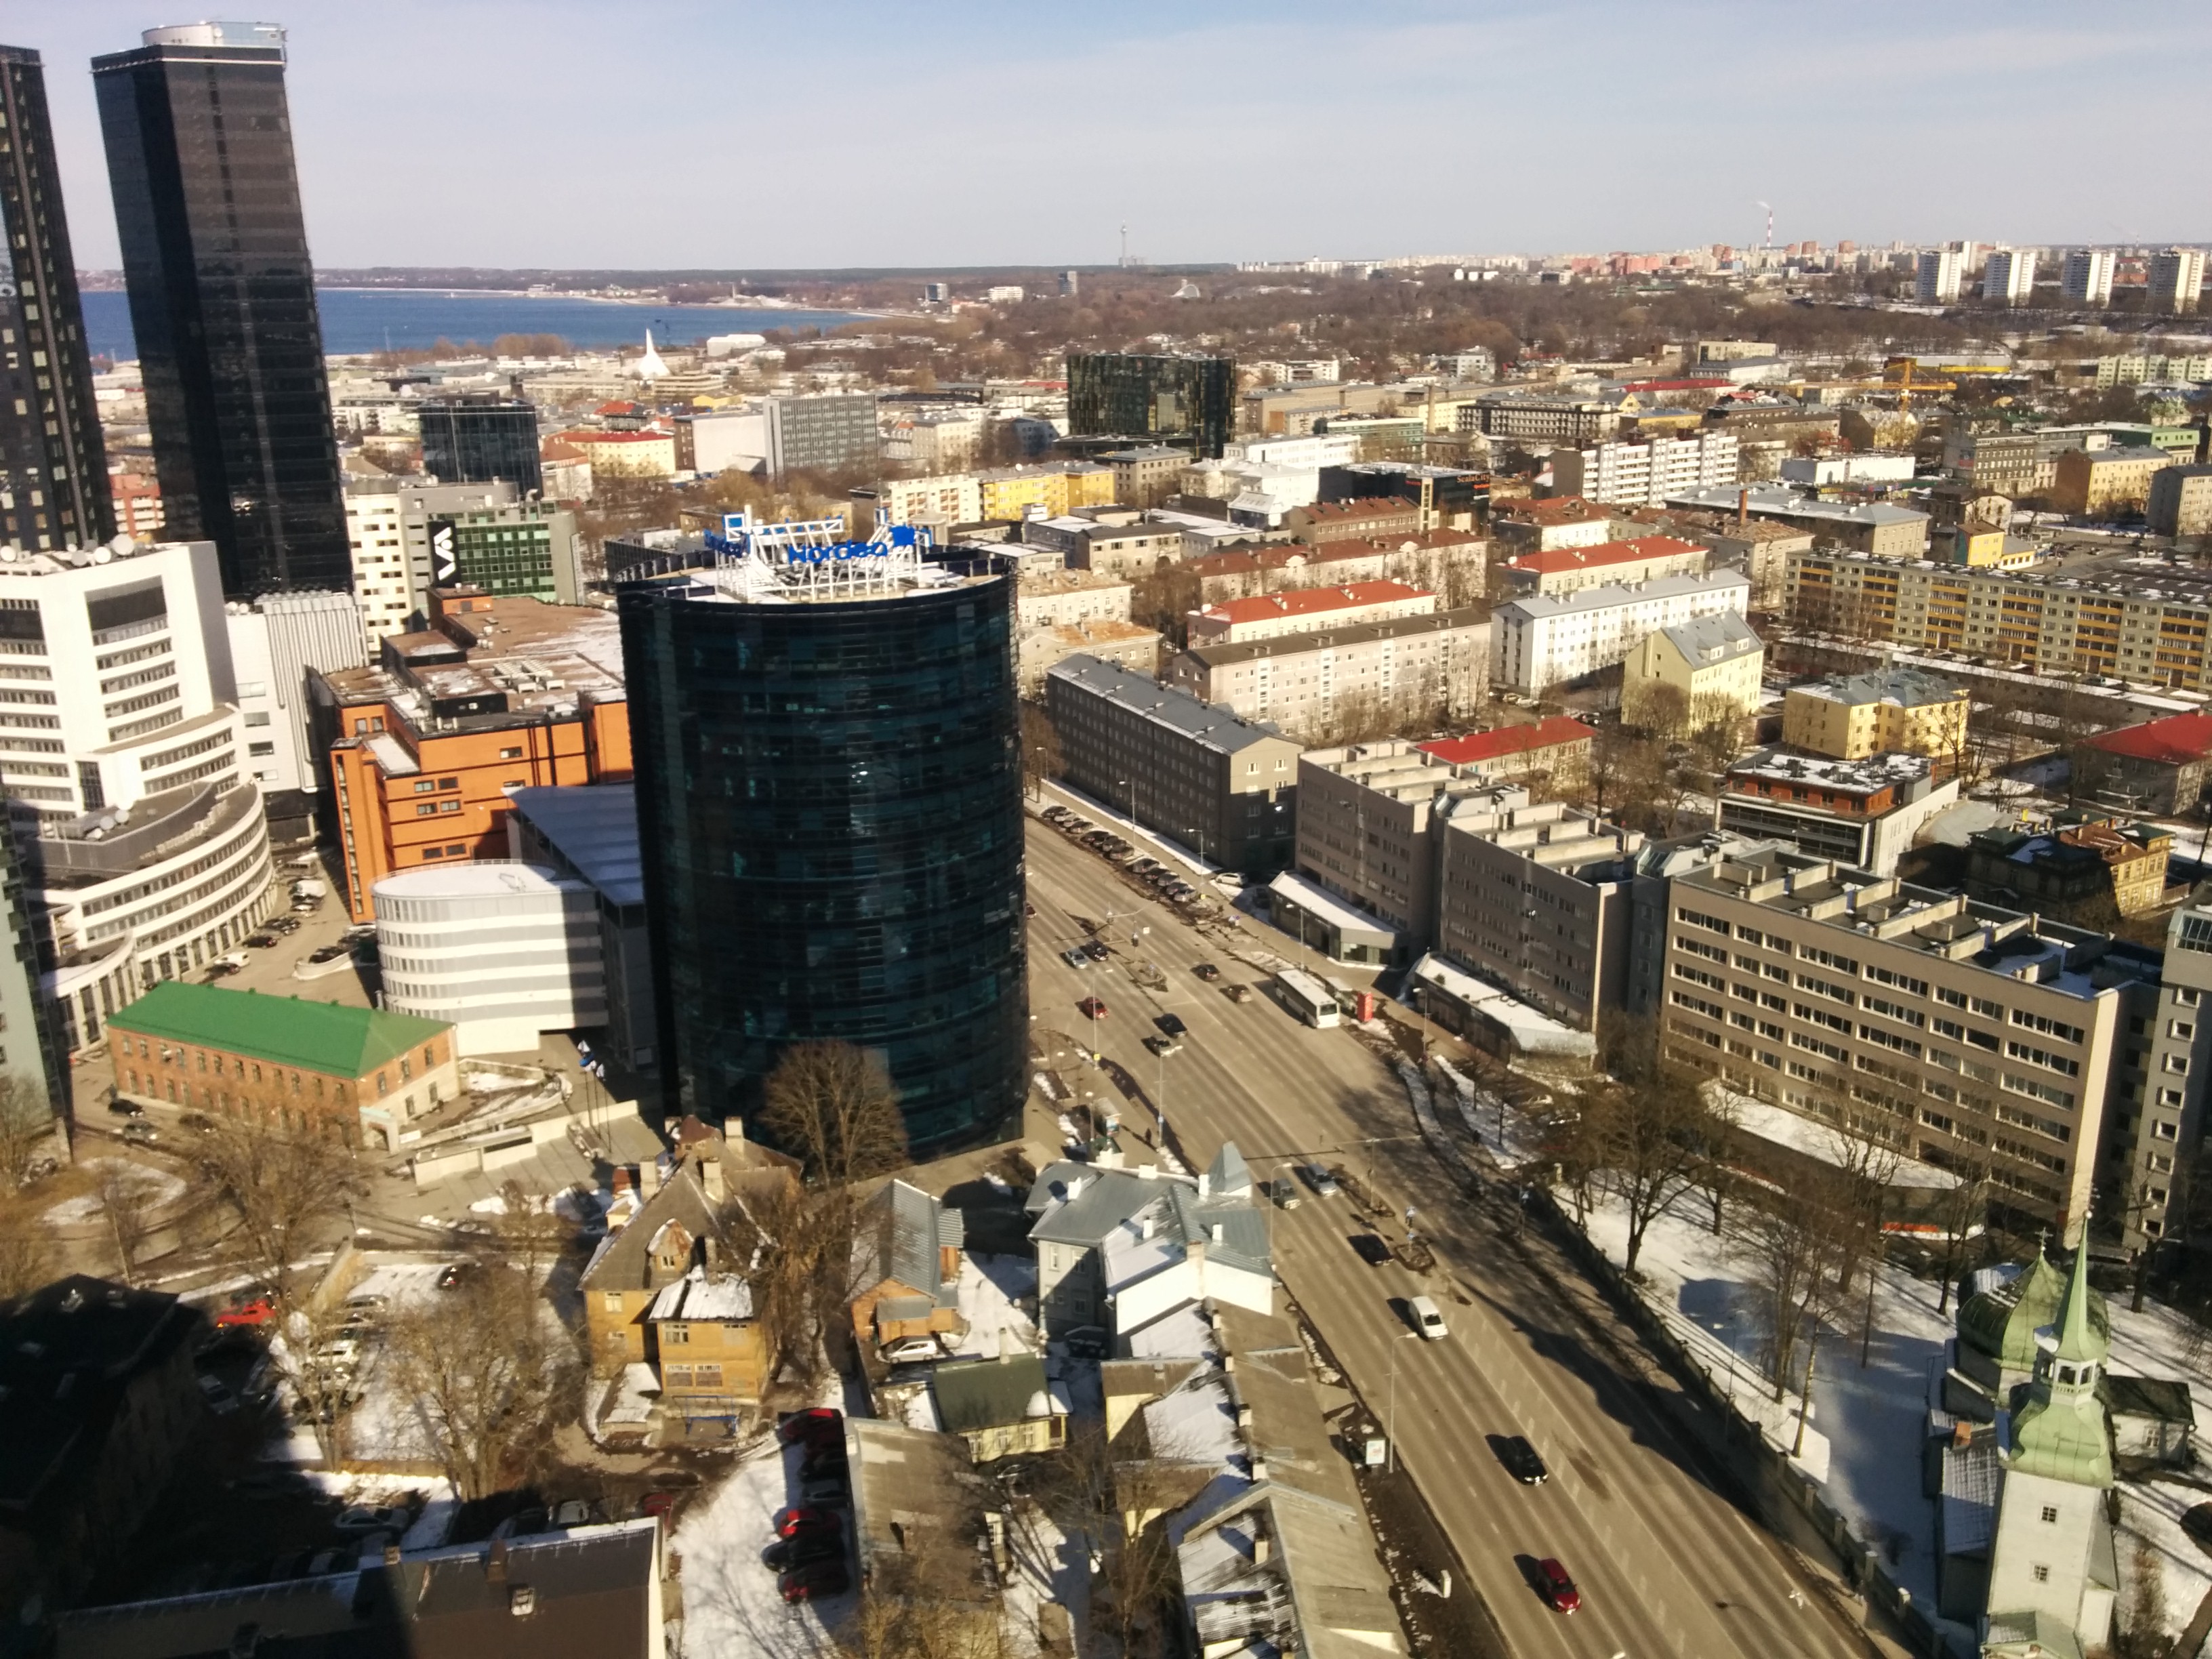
991	1394
314	1036
2060	1432
2003	1323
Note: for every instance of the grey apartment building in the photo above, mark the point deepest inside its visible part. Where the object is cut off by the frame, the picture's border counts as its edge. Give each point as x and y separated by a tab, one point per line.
1536	898
2156	1138
1369	818
1952	1032
1197	774
1407	665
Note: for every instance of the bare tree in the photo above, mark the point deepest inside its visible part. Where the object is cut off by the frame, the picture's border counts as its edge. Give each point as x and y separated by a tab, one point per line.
126	1204
2143	1632
1042	756
897	1624
27	1124
282	1188
529	1232
1797	1252
834	1108
311	1354
488	1372
1652	1133
1962	1213
26	1251
1114	1495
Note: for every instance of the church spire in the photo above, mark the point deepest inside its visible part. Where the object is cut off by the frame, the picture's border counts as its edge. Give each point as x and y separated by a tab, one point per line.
2078	1340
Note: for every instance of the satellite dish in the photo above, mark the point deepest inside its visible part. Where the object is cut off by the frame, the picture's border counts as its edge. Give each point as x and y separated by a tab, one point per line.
103	554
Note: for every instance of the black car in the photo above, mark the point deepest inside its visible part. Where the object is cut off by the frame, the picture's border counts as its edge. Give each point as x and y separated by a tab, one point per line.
122	1108
1172	1025
1163	1046
804	1550
1097	949
1372	1251
1522	1462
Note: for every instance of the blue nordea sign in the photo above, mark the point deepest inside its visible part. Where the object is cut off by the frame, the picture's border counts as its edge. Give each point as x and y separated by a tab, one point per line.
837	550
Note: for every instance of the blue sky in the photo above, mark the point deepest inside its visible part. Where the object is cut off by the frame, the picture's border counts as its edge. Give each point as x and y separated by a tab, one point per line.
651	134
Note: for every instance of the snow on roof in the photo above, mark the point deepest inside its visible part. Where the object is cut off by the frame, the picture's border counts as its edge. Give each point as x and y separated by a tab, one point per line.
1783	1127
697	1297
1318	902
1532	1032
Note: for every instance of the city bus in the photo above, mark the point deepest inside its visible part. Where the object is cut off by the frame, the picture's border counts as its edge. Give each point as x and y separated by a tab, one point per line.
1307	997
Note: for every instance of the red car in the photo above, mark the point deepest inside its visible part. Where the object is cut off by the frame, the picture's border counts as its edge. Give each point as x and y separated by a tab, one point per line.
661	1504
1091	1008
800	1520
250	1314
816	1426
1559	1589
820	1578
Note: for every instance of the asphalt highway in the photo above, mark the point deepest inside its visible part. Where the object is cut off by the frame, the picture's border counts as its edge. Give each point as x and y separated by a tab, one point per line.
1667	1565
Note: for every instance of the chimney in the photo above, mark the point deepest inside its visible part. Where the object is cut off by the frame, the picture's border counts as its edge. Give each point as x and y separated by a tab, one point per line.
649	1177
710	1179
1742	507
1259	1547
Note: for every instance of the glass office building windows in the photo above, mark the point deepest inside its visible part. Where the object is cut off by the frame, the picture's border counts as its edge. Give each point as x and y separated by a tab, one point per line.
830	793
481	439
1186	400
222	301
54	465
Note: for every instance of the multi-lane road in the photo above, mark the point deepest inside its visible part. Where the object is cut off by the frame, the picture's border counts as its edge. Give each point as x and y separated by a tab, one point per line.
1667	1564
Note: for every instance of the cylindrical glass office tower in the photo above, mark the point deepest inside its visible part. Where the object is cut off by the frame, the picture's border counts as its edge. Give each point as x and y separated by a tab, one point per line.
829	794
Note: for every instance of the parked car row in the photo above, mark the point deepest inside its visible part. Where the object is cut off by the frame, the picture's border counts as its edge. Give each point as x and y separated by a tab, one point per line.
808	1556
1163	878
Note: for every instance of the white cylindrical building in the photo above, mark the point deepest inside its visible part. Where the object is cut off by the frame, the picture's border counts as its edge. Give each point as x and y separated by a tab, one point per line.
502	951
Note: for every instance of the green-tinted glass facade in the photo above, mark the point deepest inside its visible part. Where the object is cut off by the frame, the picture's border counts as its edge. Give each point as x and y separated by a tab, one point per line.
1184	400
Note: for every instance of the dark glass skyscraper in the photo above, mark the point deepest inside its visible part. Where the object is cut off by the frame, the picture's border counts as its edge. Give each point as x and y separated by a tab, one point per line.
222	300
53	467
830	788
480	441
1183	400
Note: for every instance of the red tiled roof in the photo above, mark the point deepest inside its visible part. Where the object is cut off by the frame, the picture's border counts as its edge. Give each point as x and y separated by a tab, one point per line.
557	449
1634	551
2176	740
1312	601
1476	746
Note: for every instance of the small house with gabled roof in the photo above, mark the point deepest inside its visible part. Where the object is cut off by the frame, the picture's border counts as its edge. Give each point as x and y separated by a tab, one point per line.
906	1267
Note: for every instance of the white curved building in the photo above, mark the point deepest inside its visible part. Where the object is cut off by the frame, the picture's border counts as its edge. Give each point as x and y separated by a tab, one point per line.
502	950
143	843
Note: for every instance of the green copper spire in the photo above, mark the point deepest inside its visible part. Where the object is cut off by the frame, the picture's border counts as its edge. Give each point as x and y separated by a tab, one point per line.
2078	1338
2059	1432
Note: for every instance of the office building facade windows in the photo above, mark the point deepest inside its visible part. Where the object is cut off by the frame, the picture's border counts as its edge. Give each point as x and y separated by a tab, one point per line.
832	794
223	302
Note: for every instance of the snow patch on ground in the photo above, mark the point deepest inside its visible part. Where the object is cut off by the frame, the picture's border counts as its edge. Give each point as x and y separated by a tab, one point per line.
991	1290
731	1604
156	1187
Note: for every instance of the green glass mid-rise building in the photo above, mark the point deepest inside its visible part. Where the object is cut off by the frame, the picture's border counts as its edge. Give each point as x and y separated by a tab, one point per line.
1186	400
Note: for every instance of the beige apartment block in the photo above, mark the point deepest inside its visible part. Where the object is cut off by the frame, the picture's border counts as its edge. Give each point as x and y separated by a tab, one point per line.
2141	621
1716	663
1956	1033
1311	683
2105	484
1125	643
1050	597
1856	715
2180	502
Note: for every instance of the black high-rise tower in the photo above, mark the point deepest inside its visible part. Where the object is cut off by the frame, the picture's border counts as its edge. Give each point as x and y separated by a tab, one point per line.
53	468
222	300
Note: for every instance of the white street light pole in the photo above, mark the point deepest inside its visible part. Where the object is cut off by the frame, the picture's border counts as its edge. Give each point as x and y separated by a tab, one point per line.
1390	1432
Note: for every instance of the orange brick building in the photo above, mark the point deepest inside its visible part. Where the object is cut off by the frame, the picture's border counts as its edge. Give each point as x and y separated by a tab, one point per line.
359	1075
426	748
